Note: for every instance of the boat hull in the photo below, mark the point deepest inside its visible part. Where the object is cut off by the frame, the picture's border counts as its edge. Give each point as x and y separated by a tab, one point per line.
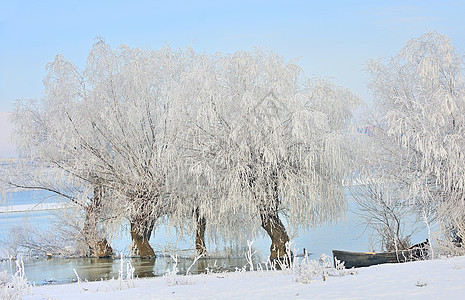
366	259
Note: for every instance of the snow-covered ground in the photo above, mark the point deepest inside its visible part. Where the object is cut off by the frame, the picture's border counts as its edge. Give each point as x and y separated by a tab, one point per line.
435	279
33	207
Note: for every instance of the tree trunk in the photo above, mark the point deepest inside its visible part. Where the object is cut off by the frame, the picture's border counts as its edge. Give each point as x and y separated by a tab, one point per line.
277	232
141	230
98	245
272	223
200	246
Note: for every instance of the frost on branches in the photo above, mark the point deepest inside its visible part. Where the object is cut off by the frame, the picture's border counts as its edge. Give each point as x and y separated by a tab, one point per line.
105	128
261	144
234	142
418	148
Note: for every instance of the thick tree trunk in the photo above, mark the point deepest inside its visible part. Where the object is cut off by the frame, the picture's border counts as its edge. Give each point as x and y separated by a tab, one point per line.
98	245
141	230
200	246
277	232
272	223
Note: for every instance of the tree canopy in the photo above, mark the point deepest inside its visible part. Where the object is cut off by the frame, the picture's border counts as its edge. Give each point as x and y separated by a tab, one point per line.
218	139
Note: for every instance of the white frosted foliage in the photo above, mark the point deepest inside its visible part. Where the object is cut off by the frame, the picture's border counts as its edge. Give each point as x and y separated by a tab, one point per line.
168	132
261	138
420	104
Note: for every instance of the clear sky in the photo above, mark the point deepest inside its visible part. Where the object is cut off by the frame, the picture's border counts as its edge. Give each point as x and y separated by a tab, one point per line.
330	38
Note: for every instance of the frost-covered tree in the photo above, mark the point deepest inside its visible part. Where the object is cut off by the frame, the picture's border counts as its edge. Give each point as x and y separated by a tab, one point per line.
418	146
105	128
210	139
262	144
33	176
39	170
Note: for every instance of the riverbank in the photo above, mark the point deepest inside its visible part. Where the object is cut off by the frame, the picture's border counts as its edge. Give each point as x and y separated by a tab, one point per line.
434	279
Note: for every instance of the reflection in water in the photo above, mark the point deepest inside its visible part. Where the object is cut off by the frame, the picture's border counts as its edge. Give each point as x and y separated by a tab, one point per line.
61	270
86	268
144	267
201	266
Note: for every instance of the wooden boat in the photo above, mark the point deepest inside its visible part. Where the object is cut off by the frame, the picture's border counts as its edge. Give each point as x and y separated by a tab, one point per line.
366	259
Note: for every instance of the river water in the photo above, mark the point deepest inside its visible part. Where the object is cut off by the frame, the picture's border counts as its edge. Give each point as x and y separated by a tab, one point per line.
346	234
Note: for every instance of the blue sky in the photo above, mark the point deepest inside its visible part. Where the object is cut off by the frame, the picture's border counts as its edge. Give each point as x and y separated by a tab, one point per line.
330	38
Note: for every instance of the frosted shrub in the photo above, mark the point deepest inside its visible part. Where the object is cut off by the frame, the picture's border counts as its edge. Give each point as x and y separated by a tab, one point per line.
173	278
15	286
171	275
285	261
307	270
120	273
129	278
341	270
311	269
249	254
130	275
304	271
193	263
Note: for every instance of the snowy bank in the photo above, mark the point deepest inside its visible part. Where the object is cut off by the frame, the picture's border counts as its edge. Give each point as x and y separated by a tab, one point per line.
441	278
33	207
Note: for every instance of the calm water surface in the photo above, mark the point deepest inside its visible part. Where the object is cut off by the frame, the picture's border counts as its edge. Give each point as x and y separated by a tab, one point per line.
59	270
346	234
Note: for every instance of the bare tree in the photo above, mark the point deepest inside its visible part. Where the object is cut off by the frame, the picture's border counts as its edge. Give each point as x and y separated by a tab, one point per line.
392	222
